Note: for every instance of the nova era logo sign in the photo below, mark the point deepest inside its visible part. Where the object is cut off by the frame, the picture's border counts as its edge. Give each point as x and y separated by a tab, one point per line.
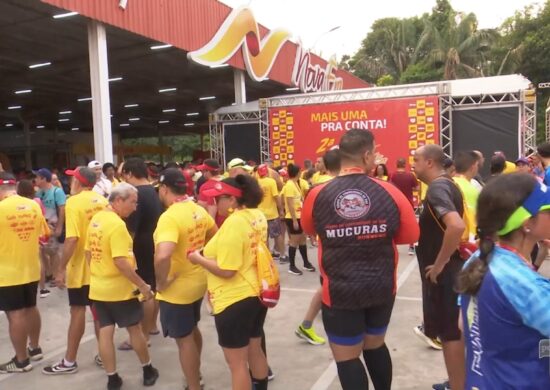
312	78
241	30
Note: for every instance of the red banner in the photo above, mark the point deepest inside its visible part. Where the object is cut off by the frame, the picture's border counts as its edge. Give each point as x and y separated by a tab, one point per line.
399	126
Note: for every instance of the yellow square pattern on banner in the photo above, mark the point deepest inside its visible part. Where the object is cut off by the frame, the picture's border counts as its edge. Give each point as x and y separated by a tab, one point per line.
421	123
282	145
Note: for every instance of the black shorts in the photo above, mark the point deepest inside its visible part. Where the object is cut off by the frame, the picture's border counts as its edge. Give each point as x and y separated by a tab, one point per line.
290	227
349	327
79	296
240	322
122	313
21	296
179	320
440	303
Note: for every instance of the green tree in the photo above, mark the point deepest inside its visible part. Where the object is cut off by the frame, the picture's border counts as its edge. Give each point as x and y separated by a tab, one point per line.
457	46
387	49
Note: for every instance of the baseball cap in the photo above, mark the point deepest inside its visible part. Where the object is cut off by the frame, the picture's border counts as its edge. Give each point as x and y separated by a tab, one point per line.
263	170
209	165
86	176
522	160
94	164
7	179
45	173
224	188
172	178
239	163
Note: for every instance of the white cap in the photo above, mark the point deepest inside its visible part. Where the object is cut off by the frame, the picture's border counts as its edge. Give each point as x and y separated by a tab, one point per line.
94	164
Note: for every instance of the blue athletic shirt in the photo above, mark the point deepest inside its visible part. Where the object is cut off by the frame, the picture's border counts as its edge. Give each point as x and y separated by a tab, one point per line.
547	176
504	324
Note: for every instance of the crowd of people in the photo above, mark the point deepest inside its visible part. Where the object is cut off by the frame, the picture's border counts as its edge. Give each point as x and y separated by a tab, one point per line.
139	242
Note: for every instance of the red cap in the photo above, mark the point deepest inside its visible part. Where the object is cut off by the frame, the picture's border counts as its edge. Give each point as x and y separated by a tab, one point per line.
8	182
263	170
283	173
76	173
222	188
209	165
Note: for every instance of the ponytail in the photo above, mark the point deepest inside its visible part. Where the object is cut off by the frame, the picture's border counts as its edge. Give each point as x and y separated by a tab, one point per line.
252	192
470	278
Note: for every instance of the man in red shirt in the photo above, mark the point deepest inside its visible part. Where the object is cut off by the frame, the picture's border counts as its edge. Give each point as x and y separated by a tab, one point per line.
210	169
407	183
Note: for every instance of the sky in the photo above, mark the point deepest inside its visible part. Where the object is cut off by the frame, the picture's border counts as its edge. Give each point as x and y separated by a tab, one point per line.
310	20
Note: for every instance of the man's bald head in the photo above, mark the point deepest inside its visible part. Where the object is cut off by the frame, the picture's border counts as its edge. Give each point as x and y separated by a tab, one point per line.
432	152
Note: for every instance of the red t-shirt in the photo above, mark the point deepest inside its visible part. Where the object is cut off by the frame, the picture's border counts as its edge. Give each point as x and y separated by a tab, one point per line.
406	182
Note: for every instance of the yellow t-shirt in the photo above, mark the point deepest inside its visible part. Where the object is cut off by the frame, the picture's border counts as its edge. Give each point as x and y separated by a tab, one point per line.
509	167
185	224
21	224
269	205
115	182
304	186
234	247
107	239
79	211
291	190
470	194
322	179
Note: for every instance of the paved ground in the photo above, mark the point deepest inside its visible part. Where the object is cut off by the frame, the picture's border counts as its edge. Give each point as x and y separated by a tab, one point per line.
297	365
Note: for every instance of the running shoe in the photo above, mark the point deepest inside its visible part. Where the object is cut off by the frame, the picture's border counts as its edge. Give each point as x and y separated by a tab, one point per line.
35	354
13	366
294	270
434	343
98	361
270	374
44	292
114	382
150	375
309	335
442	386
309	267
284	260
60	369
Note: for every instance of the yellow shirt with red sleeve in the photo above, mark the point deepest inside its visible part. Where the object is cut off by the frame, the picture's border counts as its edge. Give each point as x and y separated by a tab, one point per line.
234	247
184	224
293	192
21	225
268	205
79	211
108	239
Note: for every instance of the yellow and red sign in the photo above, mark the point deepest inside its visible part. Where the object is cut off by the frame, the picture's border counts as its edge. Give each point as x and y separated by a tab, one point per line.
240	29
399	126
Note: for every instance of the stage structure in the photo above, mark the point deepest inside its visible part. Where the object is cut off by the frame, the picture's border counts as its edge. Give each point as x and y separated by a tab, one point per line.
486	114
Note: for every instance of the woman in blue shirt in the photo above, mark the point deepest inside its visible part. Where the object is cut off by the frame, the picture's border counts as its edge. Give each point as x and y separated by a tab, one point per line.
505	304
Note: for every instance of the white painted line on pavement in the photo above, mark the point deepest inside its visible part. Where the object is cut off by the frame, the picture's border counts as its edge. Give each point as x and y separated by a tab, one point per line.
326	378
49	356
416	299
298	289
330	373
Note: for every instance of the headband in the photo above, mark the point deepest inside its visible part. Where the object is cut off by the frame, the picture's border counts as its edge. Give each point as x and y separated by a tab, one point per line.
538	200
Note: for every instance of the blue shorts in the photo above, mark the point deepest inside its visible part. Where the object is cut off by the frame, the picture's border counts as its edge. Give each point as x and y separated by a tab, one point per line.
179	320
349	327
